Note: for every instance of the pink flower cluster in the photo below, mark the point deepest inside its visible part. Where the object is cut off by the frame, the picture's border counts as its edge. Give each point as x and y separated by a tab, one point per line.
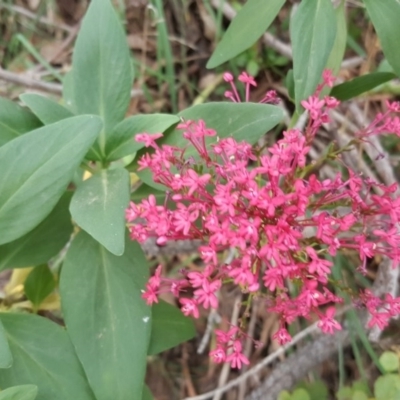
283	223
229	348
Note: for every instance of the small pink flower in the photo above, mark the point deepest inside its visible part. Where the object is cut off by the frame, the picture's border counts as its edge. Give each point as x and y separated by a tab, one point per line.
327	324
197	279
189	307
246	78
380	319
228	77
218	355
393	106
194	181
150	295
225	337
331	102
271	97
208	254
229	95
206	294
132	212
162	240
155	280
236	358
273	279
282	336
314	106
149	140
328	78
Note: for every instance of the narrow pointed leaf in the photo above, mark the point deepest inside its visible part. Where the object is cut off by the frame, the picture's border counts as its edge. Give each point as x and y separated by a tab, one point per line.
122	140
99	205
43	356
47	110
41	243
339	47
169	328
360	85
5	353
242	121
289	83
312	31
111	340
249	24
102	72
39	284
385	18
36	169
23	392
15	120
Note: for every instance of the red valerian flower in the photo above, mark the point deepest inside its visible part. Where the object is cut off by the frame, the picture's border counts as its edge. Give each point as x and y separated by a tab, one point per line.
281	224
327	324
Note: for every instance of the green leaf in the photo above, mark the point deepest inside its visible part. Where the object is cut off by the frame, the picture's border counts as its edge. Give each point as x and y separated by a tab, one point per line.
39	284
284	395
384	66
146	176
43	355
242	121
144	191
339	47
385	18
361	386
15	120
169	328
361	84
387	387
300	394
68	92
359	395
317	390
47	110
249	24
389	361
344	393
289	83
23	392
102	72
312	31
98	206
122	143
43	242
147	395
106	317
36	169
5	353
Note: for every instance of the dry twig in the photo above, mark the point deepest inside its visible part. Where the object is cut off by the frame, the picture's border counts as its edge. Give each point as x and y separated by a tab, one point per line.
25	80
29	82
257	368
35	17
287	373
248	346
